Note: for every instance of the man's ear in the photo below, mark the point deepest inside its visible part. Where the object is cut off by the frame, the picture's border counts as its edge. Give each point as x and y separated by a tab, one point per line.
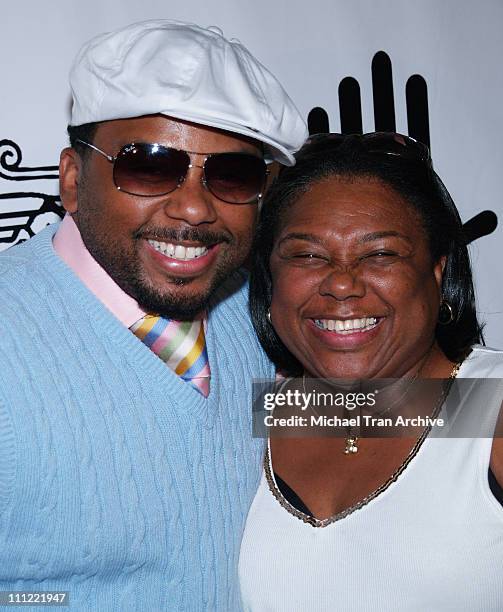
438	271
70	169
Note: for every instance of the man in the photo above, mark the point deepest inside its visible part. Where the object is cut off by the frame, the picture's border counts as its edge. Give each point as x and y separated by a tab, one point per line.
126	461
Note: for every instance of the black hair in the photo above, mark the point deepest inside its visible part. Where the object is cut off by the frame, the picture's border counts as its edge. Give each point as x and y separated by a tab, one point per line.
85	132
418	184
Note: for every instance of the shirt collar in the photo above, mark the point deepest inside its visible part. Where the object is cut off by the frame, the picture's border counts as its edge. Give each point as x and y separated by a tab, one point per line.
69	246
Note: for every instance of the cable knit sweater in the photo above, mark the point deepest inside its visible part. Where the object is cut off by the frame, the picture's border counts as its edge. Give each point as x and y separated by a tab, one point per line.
119	482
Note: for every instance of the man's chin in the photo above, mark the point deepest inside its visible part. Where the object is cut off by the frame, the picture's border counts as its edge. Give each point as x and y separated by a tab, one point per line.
179	298
181	304
179	309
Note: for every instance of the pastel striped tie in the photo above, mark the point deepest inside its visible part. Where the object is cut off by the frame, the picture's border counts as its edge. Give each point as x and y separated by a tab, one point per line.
180	344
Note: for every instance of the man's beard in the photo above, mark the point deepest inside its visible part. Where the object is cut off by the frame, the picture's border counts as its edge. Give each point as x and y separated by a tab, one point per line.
125	269
171	306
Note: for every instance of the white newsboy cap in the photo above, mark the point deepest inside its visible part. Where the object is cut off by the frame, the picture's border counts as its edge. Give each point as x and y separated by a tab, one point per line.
186	72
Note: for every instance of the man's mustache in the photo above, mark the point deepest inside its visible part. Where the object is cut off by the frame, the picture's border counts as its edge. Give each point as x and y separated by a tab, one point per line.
192	234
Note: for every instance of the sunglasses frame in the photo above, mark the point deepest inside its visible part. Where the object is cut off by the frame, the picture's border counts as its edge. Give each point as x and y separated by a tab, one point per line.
420	152
126	148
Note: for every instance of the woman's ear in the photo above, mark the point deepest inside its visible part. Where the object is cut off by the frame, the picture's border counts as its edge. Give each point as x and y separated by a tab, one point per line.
70	167
438	271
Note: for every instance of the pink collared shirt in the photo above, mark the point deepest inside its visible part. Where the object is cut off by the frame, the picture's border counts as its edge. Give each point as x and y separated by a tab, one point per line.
69	246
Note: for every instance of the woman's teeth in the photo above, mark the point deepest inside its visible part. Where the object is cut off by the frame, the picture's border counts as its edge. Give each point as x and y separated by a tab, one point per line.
347	326
177	251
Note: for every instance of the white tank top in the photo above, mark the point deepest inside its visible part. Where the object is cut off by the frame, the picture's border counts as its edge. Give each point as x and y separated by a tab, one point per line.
431	542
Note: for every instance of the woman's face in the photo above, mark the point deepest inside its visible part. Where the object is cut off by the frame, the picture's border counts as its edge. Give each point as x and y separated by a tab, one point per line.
355	292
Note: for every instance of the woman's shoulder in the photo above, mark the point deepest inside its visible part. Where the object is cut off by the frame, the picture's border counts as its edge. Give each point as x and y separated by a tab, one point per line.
482	362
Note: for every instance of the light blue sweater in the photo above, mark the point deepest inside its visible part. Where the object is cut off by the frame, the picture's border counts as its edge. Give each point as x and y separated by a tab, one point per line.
119	482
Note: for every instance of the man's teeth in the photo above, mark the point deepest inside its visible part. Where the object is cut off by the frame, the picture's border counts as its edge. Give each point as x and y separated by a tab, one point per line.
347	326
177	251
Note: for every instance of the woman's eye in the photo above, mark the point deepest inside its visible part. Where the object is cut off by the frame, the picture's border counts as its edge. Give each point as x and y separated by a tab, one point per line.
384	254
304	258
308	256
381	255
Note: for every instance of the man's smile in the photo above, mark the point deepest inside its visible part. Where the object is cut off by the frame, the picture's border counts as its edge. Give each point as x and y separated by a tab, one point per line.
181	260
178	251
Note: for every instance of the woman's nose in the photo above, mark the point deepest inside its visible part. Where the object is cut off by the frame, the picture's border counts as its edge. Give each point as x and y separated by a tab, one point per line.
342	284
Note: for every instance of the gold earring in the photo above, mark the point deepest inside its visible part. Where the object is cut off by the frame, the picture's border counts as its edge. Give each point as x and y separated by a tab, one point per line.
446	313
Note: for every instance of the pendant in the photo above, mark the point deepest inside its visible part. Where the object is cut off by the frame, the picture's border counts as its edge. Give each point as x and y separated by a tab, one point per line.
351	445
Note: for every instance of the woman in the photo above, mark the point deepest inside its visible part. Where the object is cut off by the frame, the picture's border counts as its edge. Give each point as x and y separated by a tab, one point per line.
361	272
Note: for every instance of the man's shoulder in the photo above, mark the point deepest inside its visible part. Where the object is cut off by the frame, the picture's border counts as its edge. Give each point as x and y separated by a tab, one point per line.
15	263
26	274
228	308
19	253
230	320
19	260
233	292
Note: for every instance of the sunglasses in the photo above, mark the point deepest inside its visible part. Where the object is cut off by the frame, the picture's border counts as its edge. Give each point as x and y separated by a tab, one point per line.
387	143
150	170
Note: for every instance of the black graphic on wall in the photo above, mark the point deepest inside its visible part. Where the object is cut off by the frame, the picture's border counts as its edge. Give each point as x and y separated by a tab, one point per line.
350	106
418	124
24	211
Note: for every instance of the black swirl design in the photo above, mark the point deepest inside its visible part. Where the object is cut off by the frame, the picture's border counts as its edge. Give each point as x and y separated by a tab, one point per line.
48	204
23	213
11	169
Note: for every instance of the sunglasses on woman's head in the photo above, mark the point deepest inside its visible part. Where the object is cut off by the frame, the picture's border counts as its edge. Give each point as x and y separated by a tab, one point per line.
150	170
387	143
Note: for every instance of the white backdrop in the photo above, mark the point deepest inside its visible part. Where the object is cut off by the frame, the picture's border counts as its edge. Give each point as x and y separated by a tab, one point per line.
456	45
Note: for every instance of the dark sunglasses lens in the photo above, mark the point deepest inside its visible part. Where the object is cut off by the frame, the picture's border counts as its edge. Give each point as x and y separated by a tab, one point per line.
149	169
237	178
397	144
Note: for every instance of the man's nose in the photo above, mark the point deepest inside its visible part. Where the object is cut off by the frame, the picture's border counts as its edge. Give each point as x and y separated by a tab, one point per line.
191	201
343	283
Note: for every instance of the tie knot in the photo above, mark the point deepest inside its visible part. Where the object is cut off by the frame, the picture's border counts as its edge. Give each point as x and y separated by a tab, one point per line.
180	344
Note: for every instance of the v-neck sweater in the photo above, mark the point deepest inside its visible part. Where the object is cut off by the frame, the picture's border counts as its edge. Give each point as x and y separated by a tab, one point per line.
119	482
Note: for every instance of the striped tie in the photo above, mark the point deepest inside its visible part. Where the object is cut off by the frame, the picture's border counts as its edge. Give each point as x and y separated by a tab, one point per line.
180	344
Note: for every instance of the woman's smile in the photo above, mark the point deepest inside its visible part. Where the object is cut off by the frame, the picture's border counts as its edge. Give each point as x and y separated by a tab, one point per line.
345	333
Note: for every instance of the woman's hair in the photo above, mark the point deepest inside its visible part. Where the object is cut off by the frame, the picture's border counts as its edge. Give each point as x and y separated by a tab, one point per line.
417	183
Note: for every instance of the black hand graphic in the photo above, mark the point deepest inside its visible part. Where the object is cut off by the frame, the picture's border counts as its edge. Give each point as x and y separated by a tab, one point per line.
382	91
317	121
482	224
416	95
